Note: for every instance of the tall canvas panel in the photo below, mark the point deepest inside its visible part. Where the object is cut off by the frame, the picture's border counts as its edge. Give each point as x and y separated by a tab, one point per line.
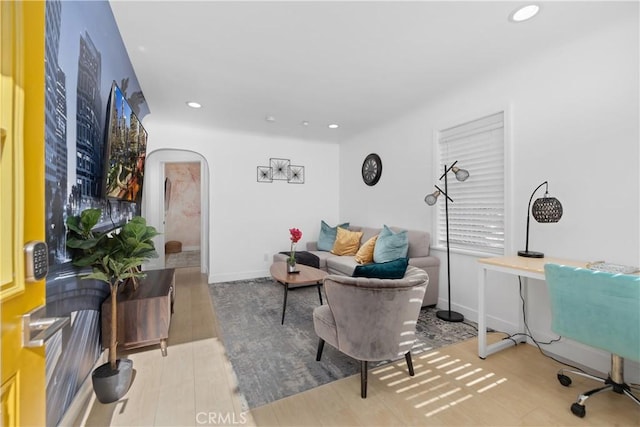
85	55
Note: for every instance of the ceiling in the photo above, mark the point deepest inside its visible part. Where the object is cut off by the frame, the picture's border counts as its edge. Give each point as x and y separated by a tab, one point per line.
354	63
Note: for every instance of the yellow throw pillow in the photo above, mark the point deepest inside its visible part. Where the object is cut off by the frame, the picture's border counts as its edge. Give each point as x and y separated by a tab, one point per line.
347	242
365	253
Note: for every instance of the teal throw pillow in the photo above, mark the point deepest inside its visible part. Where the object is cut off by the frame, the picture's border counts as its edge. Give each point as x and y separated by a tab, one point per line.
390	245
328	235
385	270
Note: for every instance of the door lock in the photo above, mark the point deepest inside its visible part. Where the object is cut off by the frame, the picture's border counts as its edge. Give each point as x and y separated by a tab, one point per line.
36	261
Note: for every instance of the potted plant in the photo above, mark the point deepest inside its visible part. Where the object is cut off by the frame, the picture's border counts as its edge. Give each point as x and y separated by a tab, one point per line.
115	256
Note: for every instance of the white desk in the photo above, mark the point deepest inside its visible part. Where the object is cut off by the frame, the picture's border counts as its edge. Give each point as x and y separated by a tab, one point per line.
518	266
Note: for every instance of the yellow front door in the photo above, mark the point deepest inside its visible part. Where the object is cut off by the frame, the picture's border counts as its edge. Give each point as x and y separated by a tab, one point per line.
22	213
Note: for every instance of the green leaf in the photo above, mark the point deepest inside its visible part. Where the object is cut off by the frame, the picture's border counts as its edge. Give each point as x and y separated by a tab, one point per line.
88	260
76	243
135	229
145	249
89	218
73	224
151	232
98	275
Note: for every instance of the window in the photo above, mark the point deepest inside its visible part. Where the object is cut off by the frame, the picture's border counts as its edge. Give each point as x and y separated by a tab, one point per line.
476	216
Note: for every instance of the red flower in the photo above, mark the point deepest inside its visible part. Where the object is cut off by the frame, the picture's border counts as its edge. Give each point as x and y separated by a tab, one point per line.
296	234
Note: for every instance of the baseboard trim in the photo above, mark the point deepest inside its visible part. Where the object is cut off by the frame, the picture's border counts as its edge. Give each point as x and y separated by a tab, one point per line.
232	277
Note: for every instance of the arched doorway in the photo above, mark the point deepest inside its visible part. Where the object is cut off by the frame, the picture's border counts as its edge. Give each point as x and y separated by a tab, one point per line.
153	204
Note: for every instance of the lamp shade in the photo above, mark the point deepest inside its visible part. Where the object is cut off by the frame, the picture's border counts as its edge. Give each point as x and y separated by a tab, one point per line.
431	199
461	174
547	209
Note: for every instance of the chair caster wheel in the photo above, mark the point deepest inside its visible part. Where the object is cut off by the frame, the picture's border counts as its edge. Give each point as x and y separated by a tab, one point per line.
564	380
578	410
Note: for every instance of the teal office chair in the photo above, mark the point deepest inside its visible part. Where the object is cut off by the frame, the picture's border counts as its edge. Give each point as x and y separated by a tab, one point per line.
601	310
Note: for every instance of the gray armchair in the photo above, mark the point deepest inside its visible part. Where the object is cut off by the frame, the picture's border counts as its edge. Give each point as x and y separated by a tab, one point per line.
371	319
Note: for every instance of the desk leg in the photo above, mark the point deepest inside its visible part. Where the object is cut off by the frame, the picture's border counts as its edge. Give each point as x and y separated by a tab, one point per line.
485	350
284	304
525	311
482	321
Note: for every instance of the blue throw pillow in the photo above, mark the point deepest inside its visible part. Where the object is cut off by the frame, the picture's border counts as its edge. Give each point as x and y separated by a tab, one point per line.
390	245
385	270
328	235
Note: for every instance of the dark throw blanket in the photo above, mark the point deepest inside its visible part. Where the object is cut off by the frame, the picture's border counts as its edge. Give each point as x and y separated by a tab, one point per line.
305	258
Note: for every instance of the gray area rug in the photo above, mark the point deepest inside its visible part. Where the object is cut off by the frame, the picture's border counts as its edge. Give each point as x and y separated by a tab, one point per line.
273	361
182	259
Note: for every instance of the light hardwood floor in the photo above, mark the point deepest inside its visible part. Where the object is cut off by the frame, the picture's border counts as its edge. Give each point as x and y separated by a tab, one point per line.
195	385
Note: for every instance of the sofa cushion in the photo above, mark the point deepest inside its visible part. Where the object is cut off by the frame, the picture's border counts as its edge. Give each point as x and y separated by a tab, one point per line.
365	253
323	256
347	242
385	270
327	236
419	242
390	245
343	265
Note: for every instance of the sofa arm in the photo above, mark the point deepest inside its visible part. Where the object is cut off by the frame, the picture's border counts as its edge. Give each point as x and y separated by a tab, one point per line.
431	265
425	262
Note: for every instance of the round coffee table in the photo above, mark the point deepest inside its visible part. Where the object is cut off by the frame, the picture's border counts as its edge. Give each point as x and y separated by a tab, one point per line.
306	276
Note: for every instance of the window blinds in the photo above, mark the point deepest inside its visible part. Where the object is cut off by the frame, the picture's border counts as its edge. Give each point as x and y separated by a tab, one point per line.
476	216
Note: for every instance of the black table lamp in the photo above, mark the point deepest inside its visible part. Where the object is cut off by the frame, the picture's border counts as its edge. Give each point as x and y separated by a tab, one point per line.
431	199
546	209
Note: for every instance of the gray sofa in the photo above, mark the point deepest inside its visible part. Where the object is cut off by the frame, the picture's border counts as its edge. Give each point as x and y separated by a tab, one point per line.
419	245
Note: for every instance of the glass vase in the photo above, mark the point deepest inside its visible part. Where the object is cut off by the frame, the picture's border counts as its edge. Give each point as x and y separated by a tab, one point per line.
291	267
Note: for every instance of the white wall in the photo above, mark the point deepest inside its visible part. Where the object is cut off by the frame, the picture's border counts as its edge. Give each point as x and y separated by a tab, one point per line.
250	221
573	121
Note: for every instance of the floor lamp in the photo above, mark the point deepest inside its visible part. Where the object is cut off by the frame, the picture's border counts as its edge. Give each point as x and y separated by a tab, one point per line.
461	175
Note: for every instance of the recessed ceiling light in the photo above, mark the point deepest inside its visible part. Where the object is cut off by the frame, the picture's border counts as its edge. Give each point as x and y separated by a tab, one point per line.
193	104
524	13
333	126
305	123
270	119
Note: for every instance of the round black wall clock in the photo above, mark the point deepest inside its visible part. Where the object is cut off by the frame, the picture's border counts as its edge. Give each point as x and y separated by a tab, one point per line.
371	169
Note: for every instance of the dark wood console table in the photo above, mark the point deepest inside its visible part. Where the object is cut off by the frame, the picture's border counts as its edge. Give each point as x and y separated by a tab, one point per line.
144	315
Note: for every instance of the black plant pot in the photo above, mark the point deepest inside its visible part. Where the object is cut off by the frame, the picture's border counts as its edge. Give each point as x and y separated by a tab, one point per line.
110	385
